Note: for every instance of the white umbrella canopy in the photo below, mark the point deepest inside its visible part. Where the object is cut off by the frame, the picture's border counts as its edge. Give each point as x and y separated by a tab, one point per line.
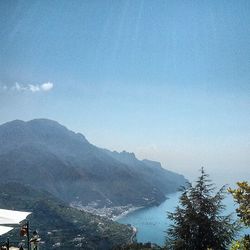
12	216
4	230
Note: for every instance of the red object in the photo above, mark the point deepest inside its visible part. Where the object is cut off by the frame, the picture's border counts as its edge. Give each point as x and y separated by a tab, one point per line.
23	231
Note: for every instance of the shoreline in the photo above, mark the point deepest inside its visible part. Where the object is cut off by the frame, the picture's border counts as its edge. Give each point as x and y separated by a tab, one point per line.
112	213
133	236
126	212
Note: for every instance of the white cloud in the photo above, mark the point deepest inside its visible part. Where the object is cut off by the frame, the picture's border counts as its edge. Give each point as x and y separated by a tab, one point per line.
44	87
34	88
47	86
17	87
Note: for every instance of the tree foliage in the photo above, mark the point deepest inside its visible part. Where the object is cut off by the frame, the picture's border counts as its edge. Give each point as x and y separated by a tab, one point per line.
242	244
198	223
242	196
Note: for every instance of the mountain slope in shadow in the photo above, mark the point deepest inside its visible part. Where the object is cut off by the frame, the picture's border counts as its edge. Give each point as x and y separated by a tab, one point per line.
46	155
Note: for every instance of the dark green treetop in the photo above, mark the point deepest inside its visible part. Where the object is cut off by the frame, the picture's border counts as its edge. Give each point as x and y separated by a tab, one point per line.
199	222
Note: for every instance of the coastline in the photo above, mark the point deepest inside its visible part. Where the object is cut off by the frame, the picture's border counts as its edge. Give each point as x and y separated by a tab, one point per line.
133	236
117	212
126	212
112	213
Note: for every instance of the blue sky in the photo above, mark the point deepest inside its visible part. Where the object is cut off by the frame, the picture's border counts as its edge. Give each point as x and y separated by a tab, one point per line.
168	80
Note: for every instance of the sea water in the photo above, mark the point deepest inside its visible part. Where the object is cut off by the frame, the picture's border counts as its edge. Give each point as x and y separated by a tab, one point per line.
152	223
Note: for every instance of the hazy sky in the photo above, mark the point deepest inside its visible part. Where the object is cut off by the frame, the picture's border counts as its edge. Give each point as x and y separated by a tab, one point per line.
168	80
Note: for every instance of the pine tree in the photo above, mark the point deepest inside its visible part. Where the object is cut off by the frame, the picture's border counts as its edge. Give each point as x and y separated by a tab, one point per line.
198	223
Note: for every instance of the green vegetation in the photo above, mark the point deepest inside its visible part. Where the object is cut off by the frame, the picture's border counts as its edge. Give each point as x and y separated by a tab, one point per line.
139	246
44	155
242	196
198	223
59	225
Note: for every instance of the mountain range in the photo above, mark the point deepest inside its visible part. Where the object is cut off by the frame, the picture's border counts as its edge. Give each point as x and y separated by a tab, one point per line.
48	156
45	168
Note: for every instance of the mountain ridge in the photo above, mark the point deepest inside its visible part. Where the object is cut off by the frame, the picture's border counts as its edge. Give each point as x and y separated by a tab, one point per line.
66	164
